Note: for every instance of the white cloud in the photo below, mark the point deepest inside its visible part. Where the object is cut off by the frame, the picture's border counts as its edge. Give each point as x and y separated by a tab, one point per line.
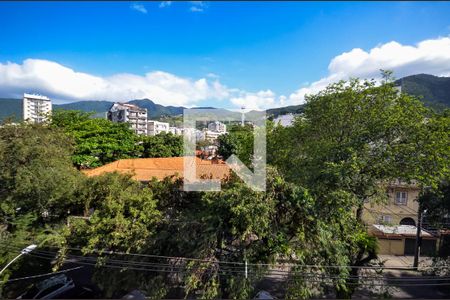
139	7
165	4
213	75
62	83
430	56
259	100
197	6
196	9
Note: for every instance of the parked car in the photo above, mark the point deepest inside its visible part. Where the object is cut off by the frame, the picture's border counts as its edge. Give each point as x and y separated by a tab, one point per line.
49	288
264	295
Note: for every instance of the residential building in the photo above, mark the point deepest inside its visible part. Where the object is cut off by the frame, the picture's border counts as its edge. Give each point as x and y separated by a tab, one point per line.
211	136
145	169
129	113
394	222
217	127
285	120
176	130
400	209
36	108
401	240
156	127
190	132
210	151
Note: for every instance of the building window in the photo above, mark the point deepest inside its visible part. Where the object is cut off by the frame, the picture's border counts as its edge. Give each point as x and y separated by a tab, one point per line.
401	198
386	219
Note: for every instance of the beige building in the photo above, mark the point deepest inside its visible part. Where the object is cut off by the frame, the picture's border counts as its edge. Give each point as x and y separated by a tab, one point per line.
400	209
394	222
36	108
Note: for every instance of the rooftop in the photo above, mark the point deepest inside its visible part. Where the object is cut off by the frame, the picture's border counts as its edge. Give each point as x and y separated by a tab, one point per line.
36	96
399	230
144	169
128	105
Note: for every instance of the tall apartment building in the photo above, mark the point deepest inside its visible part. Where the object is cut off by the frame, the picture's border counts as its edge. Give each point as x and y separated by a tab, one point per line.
36	108
129	113
156	127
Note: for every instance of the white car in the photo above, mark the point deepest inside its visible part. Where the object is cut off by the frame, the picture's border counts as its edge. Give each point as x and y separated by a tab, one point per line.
49	288
264	295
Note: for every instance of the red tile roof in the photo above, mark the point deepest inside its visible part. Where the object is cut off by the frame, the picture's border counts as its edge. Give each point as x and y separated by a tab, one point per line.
144	169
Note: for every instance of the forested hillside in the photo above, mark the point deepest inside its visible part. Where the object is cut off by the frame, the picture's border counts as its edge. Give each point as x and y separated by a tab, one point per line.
434	91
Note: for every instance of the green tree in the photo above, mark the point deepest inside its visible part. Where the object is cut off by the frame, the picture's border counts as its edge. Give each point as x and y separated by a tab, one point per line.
352	138
120	216
238	224
36	173
97	141
162	145
238	141
38	187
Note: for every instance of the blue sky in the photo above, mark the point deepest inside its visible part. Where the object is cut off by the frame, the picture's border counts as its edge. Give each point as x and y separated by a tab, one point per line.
253	51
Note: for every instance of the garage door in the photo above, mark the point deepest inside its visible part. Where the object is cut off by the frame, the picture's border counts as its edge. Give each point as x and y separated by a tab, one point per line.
410	244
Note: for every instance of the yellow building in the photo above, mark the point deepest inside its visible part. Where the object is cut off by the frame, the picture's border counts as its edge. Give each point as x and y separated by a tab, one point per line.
394	222
401	207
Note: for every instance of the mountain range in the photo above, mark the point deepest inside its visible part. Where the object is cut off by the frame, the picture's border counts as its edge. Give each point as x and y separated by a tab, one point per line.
432	90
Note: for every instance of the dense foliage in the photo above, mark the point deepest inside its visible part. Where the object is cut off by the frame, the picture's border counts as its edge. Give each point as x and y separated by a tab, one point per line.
97	141
162	145
238	141
356	136
352	138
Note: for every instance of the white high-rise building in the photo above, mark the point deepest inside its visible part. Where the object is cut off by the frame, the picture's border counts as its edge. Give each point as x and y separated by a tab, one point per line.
156	127
36	108
129	113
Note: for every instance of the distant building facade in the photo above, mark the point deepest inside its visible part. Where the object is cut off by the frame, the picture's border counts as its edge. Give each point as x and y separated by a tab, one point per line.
176	130
36	108
285	120
211	136
217	127
156	127
129	113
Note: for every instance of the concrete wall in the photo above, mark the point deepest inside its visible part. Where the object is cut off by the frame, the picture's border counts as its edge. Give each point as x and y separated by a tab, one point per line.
391	246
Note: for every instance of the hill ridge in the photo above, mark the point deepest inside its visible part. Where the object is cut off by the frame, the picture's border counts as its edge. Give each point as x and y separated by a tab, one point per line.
434	91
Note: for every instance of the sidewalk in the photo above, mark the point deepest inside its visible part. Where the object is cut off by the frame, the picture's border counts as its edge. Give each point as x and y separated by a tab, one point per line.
414	288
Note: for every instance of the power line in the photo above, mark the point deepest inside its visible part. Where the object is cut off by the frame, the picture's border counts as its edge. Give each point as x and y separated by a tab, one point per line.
305	277
43	275
236	263
223	271
314	278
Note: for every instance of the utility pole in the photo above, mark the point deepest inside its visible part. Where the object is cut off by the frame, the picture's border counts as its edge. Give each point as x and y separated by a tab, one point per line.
418	238
246	269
